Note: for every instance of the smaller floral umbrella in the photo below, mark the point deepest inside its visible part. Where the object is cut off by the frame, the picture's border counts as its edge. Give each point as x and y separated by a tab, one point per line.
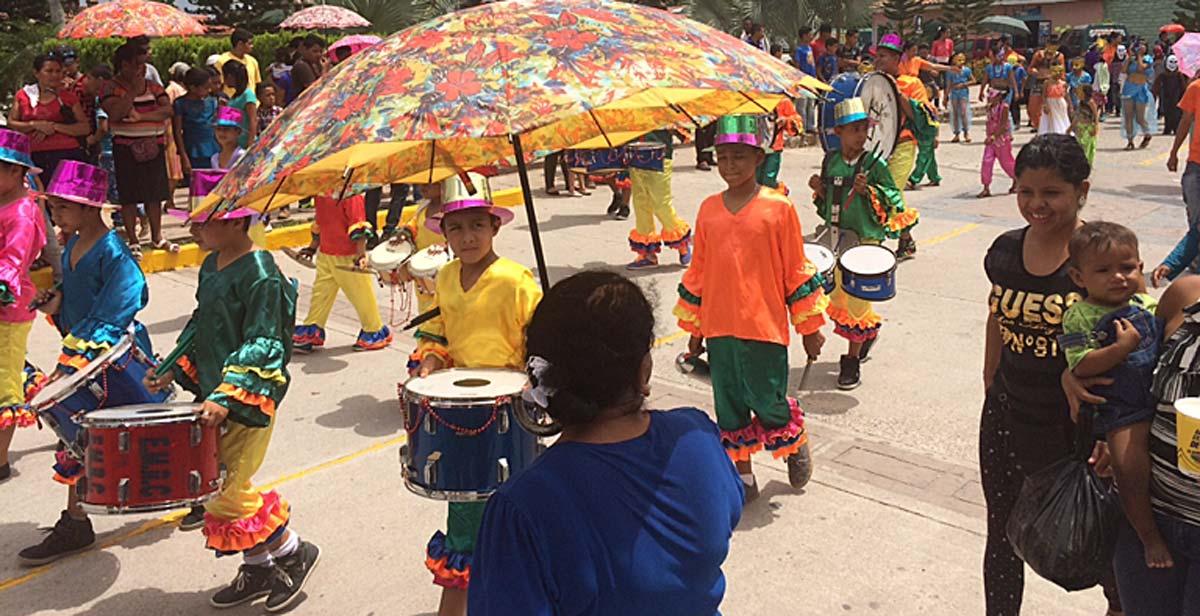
325	17
130	18
356	43
1187	49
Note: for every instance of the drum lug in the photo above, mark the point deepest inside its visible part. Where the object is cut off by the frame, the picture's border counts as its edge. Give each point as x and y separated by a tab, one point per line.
123	442
123	490
194	481
502	421
430	424
404	455
197	434
430	474
96	390
502	467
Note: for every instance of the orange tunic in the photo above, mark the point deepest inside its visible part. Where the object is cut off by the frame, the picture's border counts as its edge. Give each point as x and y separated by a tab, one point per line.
749	277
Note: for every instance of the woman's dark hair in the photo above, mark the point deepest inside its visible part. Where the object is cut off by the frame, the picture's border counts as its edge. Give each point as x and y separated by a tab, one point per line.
41	60
1061	153
236	76
100	71
126	53
197	77
594	329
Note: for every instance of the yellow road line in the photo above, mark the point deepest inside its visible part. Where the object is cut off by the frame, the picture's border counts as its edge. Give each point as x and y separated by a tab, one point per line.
951	235
173	517
668	339
1155	159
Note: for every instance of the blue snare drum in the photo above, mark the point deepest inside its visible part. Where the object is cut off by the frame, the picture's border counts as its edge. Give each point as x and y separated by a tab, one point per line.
882	101
112	379
464	436
869	272
595	162
646	155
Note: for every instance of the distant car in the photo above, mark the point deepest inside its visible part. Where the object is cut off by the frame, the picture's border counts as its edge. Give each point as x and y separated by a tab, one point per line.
1076	40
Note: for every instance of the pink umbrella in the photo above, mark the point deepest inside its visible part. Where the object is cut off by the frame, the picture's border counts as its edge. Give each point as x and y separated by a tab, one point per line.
1187	49
356	43
324	17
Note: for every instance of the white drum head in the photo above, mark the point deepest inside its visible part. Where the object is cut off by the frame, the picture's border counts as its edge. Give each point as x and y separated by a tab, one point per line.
142	414
869	260
389	255
882	100
821	257
469	384
427	262
64	387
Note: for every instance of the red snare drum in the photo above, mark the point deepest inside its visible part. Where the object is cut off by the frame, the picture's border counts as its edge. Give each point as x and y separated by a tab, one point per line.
148	457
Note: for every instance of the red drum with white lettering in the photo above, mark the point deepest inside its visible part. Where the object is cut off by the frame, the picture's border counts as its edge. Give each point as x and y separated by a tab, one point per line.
148	457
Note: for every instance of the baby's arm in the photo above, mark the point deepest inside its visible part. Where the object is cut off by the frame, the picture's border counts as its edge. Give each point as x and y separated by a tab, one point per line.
1099	361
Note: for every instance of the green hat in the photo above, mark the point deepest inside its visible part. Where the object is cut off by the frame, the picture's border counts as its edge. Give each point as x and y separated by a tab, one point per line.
741	129
849	111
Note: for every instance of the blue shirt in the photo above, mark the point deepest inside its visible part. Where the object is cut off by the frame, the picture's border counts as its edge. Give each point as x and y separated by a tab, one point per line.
803	57
954	78
637	528
197	117
827	67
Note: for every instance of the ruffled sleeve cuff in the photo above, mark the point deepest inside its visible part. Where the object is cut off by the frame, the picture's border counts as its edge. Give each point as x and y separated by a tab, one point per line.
88	340
687	310
361	231
432	344
807	302
7	295
186	374
893	217
253	382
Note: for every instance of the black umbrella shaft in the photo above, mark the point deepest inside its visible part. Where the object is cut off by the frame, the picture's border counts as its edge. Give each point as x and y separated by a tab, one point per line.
530	213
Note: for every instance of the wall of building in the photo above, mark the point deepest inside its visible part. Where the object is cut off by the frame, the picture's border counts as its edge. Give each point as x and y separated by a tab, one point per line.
1142	17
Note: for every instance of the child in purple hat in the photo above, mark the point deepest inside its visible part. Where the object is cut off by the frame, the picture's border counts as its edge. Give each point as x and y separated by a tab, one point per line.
102	291
22	235
229	130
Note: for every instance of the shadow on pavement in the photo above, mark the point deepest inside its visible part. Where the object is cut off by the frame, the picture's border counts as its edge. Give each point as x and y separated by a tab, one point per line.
765	510
53	591
323	361
155	601
367	415
826	403
559	222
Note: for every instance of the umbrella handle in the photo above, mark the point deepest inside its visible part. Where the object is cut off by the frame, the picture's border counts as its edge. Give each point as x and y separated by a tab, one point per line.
526	192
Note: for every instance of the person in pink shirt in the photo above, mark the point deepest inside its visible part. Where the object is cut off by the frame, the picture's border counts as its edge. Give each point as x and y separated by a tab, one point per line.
22	235
997	144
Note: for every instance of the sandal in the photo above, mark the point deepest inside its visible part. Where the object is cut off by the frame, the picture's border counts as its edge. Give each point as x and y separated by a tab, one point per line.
984	194
1129	147
166	245
1145	143
553	192
135	248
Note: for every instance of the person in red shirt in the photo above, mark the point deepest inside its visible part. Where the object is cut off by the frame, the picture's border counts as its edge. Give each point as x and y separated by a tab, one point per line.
818	44
340	235
51	115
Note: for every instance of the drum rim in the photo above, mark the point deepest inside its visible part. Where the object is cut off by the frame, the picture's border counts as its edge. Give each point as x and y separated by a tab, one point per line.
418	262
831	259
105	418
68	385
460	402
397	257
873	248
174	504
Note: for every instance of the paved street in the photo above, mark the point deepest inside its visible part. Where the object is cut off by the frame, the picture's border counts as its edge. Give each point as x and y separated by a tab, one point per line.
891	524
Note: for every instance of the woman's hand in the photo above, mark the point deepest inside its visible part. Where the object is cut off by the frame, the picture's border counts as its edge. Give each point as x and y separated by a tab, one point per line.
1077	392
1160	274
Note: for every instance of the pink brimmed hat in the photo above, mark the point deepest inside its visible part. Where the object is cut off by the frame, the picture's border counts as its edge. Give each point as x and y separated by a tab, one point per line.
16	148
229	117
466	191
79	183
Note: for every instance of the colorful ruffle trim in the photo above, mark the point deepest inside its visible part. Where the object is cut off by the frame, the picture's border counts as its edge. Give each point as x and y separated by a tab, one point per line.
229	536
414	361
67	470
313	335
370	341
254	372
450	569
894	221
360	231
854	330
35	380
688	315
19	415
78	352
784	441
432	343
678	238
265	404
856	334
645	244
6	295
189	369
808	302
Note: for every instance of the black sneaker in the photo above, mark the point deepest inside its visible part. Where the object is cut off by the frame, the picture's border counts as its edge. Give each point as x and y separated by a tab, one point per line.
849	377
800	467
614	207
907	248
67	537
252	582
864	352
193	520
622	213
291	572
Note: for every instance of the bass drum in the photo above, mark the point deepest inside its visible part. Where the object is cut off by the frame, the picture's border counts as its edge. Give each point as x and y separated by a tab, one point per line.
882	102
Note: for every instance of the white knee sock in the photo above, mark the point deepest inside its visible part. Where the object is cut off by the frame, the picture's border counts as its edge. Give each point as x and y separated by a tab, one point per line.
288	545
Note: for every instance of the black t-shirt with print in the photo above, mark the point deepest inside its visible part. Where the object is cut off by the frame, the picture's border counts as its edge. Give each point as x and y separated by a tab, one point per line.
1029	310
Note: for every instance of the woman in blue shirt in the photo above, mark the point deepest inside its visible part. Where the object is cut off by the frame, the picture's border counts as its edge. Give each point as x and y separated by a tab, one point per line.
631	511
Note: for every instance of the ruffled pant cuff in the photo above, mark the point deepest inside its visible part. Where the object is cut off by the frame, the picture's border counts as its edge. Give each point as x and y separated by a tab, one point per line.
35	380
67	470
450	569
313	335
19	415
373	340
231	536
784	441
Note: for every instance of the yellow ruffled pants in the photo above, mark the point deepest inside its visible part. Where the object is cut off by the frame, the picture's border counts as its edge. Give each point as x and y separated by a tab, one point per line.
651	195
902	163
853	319
359	289
241	517
13	339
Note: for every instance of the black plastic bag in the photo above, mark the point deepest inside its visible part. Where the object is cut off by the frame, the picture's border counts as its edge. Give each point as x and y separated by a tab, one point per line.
1064	525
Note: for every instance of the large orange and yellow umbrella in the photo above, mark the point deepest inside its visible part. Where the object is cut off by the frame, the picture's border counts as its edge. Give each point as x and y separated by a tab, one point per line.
130	18
493	82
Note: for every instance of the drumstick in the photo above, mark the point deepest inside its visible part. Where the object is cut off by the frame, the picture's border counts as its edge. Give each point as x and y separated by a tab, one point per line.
357	270
804	375
181	348
34	305
422	318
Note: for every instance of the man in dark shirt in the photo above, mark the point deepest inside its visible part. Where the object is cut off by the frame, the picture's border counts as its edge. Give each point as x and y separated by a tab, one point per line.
309	67
848	57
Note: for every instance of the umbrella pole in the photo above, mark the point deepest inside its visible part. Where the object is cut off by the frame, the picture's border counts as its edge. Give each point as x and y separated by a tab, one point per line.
530	213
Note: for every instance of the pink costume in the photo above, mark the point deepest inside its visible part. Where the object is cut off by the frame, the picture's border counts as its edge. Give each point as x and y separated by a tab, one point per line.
22	235
1001	146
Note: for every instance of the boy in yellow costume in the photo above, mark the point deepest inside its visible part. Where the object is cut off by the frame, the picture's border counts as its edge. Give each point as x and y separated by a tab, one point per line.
485	301
652	199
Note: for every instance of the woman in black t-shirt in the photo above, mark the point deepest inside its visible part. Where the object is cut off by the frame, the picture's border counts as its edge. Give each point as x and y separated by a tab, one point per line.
1026	424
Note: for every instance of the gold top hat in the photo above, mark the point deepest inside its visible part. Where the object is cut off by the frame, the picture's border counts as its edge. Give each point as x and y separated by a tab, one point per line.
466	187
849	111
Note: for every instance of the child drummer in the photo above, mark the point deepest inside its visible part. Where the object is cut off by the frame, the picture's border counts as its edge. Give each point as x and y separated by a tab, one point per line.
340	235
857	195
102	291
22	236
748	281
486	301
241	374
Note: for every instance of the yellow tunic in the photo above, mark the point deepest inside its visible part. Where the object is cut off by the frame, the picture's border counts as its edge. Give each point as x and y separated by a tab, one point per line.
485	326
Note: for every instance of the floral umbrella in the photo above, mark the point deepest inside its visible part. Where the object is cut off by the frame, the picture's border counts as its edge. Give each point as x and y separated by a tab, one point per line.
1187	49
325	17
130	18
356	43
491	82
